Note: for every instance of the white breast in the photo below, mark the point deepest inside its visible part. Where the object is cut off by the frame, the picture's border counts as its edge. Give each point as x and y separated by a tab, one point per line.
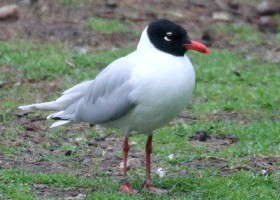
163	86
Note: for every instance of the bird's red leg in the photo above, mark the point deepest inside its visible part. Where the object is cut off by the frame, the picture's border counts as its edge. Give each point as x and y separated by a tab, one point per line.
125	187
147	183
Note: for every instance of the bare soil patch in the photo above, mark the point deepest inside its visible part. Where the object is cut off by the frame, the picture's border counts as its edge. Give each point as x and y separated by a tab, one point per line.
232	117
209	162
92	156
212	142
262	165
47	191
259	164
51	21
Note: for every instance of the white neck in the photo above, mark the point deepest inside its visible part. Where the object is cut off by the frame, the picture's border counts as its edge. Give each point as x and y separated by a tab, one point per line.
145	44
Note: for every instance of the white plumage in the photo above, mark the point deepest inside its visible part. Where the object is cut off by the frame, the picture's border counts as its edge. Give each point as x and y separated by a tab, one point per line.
156	85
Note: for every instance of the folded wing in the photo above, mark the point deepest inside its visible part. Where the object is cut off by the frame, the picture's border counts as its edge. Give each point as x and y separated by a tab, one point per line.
98	101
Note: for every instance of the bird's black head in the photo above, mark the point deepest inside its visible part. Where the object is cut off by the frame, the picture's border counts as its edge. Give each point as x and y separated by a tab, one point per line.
171	38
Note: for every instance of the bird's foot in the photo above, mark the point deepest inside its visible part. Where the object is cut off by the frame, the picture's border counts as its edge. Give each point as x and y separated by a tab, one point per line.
126	188
152	189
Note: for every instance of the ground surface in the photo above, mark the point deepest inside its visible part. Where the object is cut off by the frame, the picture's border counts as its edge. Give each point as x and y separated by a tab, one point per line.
225	145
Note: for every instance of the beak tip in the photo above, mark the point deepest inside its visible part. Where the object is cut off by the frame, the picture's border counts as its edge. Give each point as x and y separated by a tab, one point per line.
207	51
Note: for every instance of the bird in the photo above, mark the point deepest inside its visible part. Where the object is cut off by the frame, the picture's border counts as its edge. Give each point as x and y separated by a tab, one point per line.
139	92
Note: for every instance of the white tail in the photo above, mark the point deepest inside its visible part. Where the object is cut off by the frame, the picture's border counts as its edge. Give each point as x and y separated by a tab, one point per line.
59	123
69	97
48	106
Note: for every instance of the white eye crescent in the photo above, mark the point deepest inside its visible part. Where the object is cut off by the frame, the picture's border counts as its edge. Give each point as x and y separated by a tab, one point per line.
167	35
167	39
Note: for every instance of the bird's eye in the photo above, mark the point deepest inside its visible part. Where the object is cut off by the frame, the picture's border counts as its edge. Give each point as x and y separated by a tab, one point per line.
168	36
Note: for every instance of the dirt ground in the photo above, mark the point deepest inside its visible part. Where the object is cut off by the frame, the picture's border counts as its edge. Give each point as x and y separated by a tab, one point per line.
46	21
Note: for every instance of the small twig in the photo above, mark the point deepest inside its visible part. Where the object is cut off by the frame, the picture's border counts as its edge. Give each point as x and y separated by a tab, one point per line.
70	64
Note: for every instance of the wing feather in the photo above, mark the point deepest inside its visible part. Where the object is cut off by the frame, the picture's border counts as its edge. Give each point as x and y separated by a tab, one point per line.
107	97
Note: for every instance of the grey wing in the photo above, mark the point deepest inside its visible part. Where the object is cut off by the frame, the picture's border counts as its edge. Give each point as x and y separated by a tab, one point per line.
107	98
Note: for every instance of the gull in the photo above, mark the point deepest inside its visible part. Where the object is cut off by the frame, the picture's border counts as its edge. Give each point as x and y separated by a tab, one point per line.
140	92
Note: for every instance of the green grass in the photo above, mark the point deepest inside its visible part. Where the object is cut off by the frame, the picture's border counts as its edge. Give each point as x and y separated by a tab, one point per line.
106	26
226	83
16	184
254	91
10	151
73	3
34	61
50	61
241	33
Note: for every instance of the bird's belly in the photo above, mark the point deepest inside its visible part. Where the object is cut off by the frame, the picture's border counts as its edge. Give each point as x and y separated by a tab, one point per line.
160	92
161	102
145	120
159	110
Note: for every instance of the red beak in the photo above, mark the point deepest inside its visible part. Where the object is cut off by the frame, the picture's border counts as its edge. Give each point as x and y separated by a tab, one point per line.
197	46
